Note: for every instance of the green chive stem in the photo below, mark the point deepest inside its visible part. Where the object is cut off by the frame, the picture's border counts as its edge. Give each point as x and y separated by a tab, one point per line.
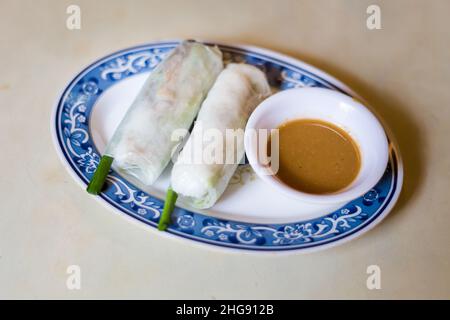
169	205
98	179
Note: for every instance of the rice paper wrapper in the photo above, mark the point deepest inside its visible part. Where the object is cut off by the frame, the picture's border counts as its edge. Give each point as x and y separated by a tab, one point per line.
170	98
237	91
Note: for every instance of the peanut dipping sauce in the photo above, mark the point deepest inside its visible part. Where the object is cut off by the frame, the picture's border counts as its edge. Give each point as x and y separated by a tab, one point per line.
316	156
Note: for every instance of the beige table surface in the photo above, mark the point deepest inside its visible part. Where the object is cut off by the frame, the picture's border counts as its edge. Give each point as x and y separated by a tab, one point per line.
47	222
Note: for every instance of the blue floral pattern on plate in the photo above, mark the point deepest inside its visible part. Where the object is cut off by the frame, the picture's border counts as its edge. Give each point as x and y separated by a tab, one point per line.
74	140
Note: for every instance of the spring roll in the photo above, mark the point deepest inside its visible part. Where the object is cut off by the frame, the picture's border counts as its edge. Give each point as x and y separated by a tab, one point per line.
237	91
169	99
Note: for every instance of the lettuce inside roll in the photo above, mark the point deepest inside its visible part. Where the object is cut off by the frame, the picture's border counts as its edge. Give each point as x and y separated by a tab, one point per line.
169	99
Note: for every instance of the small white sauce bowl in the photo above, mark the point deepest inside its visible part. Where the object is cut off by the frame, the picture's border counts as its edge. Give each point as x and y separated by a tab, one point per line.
330	106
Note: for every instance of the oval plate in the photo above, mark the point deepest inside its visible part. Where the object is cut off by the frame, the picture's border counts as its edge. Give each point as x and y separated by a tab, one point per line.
255	218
